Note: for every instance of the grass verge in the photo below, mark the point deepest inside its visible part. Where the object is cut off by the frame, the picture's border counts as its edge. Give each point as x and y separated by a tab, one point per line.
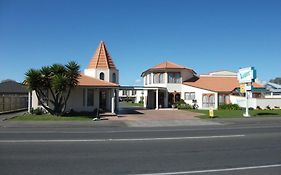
51	118
238	113
132	104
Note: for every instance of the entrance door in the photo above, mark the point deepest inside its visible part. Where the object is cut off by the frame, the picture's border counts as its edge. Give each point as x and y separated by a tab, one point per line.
170	100
103	100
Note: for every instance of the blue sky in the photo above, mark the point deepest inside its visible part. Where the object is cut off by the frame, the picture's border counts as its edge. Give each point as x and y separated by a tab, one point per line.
205	35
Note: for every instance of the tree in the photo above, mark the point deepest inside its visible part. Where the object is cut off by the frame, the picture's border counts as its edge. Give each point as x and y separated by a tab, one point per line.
53	84
277	80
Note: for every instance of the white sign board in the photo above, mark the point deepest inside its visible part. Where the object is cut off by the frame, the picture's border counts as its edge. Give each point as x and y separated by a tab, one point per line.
246	75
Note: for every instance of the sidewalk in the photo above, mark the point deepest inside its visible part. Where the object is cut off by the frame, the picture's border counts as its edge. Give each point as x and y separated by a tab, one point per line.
7	116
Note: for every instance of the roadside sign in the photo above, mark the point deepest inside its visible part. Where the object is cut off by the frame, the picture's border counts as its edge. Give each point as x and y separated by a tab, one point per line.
246	75
242	88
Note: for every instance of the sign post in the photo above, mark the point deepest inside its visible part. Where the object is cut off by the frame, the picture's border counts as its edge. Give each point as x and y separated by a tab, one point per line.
246	76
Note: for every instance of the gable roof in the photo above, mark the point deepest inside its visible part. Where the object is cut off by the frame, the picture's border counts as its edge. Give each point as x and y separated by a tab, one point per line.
101	58
85	80
12	87
167	65
217	84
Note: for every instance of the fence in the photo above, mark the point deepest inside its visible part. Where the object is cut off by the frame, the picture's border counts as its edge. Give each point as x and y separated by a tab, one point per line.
13	103
255	102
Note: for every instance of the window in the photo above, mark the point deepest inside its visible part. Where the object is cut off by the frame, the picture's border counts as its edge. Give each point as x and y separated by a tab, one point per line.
134	92
145	80
124	92
158	78
221	99
84	96
189	95
90	97
174	77
208	100
114	78
102	76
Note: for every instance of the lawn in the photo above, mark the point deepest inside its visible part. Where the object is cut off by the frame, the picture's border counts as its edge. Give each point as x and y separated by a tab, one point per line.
30	117
132	104
238	113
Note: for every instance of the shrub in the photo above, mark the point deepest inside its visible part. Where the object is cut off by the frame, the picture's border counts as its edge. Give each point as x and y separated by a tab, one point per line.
182	105
230	107
37	111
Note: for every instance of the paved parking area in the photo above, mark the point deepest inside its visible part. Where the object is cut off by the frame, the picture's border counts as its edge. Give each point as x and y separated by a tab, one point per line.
138	117
134	114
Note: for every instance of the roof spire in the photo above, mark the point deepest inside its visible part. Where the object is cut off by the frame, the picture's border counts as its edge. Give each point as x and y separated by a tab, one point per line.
101	58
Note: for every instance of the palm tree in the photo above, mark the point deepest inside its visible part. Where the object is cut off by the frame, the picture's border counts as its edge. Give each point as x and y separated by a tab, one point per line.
53	84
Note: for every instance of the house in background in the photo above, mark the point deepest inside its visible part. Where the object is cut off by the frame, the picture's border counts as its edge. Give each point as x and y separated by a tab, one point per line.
273	90
98	85
13	96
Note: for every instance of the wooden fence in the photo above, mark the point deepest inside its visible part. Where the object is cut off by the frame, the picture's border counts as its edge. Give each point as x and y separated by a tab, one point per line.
13	103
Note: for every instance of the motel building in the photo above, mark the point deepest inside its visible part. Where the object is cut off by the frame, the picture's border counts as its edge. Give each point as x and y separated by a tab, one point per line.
164	85
167	83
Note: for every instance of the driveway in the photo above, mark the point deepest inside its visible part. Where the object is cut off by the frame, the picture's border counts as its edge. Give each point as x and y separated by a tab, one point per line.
139	117
131	113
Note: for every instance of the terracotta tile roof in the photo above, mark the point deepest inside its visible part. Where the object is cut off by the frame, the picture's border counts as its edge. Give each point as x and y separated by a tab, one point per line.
218	84
101	58
85	80
167	65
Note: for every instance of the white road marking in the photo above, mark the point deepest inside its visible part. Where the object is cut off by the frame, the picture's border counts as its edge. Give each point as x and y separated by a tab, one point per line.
119	140
215	170
136	131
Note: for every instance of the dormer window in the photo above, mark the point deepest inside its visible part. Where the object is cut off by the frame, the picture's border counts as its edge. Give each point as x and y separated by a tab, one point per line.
174	77
101	76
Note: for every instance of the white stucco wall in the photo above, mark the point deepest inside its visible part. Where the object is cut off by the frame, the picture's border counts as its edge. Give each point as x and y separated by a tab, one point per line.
198	95
108	74
254	102
75	101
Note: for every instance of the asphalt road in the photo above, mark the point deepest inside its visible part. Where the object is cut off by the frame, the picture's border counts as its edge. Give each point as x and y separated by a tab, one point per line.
186	150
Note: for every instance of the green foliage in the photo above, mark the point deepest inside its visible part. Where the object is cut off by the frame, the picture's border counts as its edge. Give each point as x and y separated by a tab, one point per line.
37	111
58	80
182	105
229	107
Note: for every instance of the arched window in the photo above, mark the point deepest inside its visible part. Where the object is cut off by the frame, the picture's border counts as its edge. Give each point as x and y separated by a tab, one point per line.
114	78
212	101
102	76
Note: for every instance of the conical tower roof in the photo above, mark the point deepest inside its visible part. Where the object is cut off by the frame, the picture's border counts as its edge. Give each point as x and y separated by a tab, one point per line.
101	58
